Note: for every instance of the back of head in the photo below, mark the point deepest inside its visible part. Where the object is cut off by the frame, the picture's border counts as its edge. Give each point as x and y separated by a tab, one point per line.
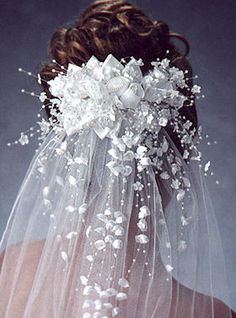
120	28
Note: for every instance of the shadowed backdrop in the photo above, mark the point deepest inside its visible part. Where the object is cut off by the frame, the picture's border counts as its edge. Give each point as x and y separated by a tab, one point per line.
209	26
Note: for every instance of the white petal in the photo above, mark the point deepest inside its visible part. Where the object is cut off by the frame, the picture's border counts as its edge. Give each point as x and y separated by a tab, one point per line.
88	290
87	303
180	195
121	296
118	230
72	180
141	150
123	282
118	244
70	208
82	209
142	239
207	166
169	268
71	234
84	280
108	212
164	175
186	154
115	311
144	211
102	217
104	294
129	155
111	292
168	245
186	182
110	224
100	230
88	230
120	217
107	305
47	203
90	258
115	154
81	160
64	256
142	225
126	170
100	244
45	191
87	315
98	306
109	239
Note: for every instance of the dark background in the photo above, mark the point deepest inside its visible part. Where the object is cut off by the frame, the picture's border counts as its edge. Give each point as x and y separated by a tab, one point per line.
210	27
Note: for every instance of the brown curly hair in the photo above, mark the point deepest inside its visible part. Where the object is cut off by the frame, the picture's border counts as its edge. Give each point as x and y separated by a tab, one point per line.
120	28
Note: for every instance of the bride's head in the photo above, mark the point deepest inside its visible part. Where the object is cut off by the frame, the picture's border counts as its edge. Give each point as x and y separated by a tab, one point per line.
120	28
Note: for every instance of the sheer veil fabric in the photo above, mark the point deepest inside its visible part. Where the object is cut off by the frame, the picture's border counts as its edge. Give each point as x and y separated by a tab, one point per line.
119	235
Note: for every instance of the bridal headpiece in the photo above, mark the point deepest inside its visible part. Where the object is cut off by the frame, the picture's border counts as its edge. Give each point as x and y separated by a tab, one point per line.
118	102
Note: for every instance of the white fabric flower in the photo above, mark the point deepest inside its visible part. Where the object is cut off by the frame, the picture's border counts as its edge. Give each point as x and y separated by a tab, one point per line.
24	139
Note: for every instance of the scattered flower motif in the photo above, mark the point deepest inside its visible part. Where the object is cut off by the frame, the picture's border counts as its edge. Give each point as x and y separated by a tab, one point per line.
138	186
207	166
100	244
121	296
123	282
84	280
164	175
196	89
144	211
83	208
142	239
24	139
64	256
184	220
70	208
71	235
72	180
42	97
117	244
169	268
175	184
142	225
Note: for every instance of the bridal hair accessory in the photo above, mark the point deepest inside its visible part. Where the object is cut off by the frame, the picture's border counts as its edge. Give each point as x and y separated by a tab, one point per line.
104	96
113	197
118	102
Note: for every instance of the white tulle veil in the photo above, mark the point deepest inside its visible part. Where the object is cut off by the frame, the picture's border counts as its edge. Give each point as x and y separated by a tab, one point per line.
124	217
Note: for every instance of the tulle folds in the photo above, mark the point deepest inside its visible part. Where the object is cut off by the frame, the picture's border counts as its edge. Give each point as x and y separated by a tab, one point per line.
91	235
